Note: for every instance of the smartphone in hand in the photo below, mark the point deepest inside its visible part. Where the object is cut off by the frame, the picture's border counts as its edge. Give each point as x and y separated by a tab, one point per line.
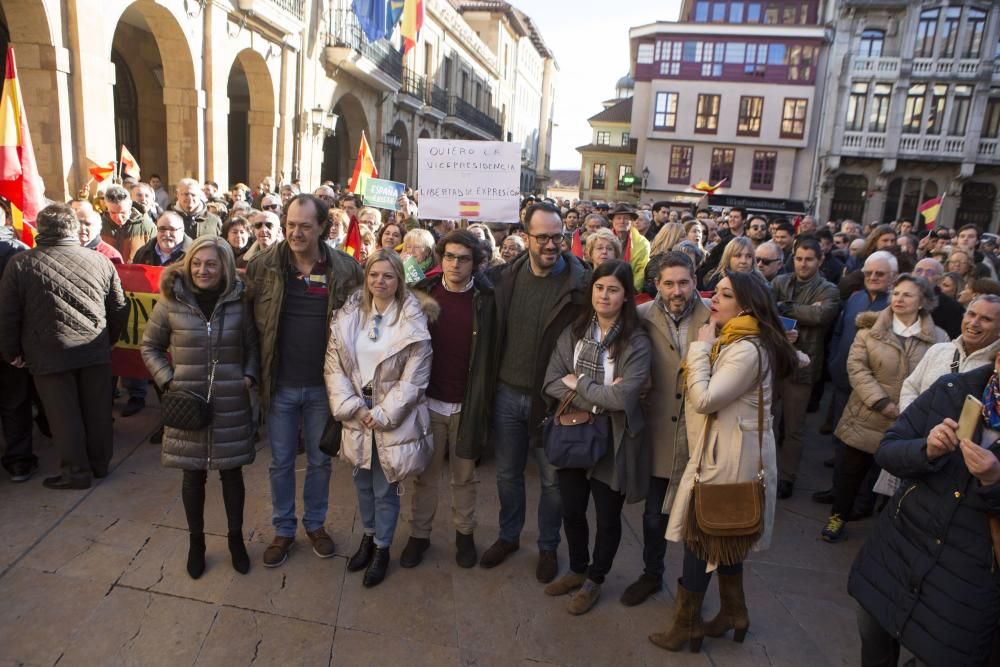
969	420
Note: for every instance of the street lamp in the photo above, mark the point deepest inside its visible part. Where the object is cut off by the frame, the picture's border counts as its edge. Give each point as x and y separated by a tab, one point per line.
645	177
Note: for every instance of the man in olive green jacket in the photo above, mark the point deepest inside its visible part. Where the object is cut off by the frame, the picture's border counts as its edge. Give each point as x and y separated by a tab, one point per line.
294	288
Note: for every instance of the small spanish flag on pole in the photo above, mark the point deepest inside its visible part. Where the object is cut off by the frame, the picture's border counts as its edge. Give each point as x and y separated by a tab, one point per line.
19	180
129	164
352	242
930	210
101	172
364	168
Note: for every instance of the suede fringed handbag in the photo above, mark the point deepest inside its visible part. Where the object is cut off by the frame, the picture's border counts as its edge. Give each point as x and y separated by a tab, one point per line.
725	521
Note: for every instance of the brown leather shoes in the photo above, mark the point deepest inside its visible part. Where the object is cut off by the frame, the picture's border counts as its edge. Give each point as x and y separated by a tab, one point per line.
323	545
277	552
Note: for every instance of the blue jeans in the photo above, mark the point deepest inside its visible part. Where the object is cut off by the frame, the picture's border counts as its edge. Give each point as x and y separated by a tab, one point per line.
136	387
378	501
654	527
290	407
512	441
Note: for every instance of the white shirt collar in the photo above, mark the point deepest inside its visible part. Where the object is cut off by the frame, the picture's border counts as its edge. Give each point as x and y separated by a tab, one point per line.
468	286
901	329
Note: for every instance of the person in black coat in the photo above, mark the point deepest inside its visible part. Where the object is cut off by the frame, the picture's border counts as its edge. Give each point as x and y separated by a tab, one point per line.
928	578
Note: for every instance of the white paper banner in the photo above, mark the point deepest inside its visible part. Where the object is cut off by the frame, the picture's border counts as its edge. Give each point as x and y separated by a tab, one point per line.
477	180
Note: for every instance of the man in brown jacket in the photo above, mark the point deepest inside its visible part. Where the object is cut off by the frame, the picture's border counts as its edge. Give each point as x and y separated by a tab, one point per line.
672	321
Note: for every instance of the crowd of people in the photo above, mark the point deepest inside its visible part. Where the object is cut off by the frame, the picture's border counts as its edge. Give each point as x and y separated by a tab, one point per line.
693	342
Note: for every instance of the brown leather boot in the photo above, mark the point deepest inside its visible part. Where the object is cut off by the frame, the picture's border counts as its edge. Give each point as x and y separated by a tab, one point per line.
733	613
687	626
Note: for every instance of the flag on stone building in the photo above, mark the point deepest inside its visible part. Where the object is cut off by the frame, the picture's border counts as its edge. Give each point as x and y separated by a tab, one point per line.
20	183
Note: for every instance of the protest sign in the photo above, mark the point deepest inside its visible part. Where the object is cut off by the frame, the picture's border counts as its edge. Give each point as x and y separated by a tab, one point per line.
142	288
477	180
412	271
383	194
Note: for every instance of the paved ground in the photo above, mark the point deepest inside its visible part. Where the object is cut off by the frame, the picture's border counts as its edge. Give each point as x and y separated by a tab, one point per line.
97	577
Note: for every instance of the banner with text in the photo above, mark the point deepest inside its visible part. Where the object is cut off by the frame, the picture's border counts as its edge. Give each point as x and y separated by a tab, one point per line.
478	180
383	194
142	288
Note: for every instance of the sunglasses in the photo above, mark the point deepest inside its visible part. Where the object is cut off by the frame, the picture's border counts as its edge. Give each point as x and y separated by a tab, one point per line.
271	207
258	225
874	274
767	262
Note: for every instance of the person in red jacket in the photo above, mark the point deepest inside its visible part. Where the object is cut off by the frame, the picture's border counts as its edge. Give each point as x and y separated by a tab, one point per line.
90	234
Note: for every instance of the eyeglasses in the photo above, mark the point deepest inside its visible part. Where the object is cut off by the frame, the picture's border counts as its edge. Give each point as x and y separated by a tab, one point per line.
167	229
258	225
271	207
758	228
875	274
460	259
544	239
767	262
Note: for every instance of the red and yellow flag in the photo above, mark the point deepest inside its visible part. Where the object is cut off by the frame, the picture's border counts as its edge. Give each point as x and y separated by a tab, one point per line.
101	172
142	290
352	242
364	168
930	210
703	186
19	180
468	209
413	21
129	164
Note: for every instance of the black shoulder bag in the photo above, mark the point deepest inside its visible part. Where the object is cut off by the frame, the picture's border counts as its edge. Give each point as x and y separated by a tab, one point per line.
188	410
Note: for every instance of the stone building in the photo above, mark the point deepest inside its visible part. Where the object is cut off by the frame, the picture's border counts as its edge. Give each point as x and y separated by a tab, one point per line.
914	112
236	90
607	163
730	92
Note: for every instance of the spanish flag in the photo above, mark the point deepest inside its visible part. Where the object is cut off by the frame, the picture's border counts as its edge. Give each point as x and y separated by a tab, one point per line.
19	180
352	242
930	210
413	21
129	164
101	172
364	168
468	209
703	186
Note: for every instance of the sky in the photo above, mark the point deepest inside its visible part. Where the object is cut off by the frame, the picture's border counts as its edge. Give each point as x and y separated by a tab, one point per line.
590	44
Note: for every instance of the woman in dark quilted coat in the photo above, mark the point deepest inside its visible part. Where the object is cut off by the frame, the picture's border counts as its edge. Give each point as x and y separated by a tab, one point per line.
928	578
203	318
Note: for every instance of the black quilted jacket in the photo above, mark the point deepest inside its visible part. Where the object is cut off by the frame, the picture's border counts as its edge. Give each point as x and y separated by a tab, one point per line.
61	306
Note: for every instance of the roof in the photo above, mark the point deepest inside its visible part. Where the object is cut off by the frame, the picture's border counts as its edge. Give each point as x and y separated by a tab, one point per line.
607	148
626	82
520	21
567	178
619	113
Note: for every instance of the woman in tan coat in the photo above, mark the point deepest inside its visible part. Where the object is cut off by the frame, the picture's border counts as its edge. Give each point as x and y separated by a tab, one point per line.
378	364
889	345
731	369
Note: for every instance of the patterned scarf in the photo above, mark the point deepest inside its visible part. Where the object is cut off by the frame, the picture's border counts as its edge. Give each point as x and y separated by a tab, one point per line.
991	397
589	362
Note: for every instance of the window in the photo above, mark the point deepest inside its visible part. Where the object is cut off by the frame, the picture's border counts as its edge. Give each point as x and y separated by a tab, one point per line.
949	31
665	112
644	56
722	165
801	62
935	115
625	138
680	164
701	12
706	118
793	118
771	14
804	12
751	111
914	110
975	21
880	107
788	14
762	174
753	12
603	138
598	176
926	31
871	43
856	107
736	53
710	55
623	171
756	59
775	54
669	53
960	110
991	121
718	12
736	12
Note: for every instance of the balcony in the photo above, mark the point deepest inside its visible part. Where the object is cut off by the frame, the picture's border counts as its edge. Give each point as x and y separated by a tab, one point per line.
926	147
413	92
988	151
472	120
438	100
936	147
377	63
863	142
877	66
285	15
963	68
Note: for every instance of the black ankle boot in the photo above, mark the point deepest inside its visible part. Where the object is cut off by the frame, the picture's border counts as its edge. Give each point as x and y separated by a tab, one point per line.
196	555
363	555
378	567
238	551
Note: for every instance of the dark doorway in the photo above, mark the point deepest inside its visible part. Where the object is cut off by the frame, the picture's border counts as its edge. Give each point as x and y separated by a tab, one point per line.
850	191
126	107
976	206
239	131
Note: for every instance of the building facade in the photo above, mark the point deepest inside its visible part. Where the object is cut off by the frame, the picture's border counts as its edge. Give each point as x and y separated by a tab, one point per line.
236	90
729	93
607	163
914	112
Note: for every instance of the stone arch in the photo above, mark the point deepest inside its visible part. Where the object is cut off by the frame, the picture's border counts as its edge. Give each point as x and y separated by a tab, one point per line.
341	148
399	165
166	87
251	119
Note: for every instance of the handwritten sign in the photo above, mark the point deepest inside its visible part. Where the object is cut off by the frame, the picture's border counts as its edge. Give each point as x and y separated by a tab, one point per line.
477	180
383	194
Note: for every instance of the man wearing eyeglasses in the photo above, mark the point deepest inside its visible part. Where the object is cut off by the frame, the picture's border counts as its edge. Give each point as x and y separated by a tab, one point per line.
757	230
266	229
190	206
462	338
768	257
169	244
537	295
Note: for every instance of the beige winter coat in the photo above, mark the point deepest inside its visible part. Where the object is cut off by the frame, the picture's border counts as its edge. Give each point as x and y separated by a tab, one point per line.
877	364
723	421
403	439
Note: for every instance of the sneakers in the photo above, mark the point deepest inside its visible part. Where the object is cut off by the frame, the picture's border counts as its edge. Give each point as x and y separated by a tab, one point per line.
498	553
565	584
785	489
22	472
413	552
134	406
277	552
465	550
585	598
548	566
640	590
322	544
834	530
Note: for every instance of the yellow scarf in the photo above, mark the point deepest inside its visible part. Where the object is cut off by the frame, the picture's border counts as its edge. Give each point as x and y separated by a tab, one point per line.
741	326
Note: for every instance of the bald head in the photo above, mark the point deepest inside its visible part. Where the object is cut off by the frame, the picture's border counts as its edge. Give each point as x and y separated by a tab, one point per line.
90	222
